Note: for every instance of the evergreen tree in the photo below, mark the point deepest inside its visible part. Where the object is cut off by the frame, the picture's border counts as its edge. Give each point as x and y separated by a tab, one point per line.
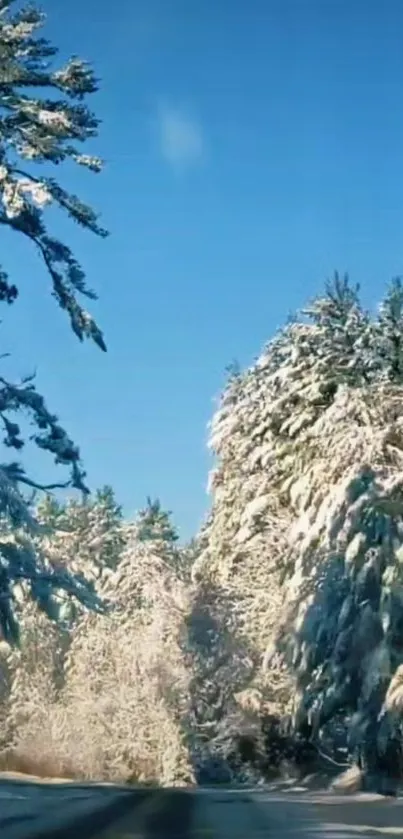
85	537
305	531
127	675
344	333
155	524
389	334
43	120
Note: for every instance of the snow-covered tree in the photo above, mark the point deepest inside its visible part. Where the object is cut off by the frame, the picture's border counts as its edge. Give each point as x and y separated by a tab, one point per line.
43	120
87	539
84	536
220	664
154	524
127	681
389	328
305	524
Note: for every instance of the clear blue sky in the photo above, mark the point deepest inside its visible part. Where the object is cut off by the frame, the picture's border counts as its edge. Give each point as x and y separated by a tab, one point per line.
251	148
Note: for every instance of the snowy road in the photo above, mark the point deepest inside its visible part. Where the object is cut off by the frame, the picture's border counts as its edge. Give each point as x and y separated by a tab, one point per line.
40	811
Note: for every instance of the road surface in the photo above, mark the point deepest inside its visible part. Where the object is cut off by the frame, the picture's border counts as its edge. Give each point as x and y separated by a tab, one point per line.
42	810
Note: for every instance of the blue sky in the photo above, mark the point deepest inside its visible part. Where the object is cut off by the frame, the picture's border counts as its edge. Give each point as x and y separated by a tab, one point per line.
251	149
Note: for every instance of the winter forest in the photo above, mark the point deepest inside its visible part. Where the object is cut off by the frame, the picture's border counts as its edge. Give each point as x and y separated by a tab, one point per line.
270	645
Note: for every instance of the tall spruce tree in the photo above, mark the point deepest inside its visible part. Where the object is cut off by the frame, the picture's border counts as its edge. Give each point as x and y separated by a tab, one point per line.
344	575
84	537
154	523
43	120
389	332
306	524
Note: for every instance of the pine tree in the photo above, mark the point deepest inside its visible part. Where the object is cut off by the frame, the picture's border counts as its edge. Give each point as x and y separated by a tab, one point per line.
44	130
389	333
85	535
155	524
305	529
344	333
43	120
85	538
127	681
